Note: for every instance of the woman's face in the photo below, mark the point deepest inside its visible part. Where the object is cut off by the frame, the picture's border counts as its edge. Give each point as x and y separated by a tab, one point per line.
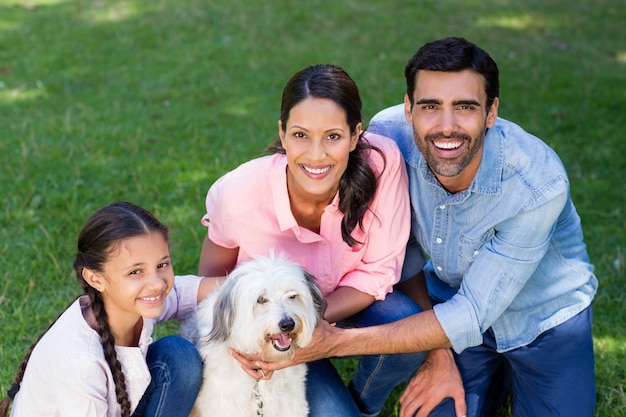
317	141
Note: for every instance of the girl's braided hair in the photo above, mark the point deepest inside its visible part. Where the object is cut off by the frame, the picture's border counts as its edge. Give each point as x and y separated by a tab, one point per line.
99	238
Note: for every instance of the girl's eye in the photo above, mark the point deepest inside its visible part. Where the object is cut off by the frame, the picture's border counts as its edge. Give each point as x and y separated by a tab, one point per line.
163	265
135	272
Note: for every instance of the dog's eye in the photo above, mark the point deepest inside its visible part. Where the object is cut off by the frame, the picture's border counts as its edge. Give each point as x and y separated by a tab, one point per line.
261	299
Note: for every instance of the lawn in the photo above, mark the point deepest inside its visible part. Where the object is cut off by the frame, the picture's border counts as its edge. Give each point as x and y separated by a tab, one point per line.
151	101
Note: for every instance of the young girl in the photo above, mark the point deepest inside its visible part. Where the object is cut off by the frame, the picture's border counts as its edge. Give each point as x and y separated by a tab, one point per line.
97	358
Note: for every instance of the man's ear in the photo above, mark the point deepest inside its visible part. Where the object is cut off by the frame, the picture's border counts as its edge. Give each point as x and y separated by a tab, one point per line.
492	115
94	279
407	110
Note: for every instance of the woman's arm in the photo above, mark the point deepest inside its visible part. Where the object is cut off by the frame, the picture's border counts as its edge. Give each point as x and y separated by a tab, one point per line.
215	260
345	302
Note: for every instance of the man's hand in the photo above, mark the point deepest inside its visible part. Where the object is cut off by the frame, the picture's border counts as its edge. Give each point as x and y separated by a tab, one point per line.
436	379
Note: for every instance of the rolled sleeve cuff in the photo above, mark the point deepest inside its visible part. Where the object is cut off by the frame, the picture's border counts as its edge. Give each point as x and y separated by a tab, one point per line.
459	323
364	283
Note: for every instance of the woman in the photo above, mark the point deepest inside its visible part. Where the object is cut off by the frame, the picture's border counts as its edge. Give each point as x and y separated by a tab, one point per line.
334	199
97	358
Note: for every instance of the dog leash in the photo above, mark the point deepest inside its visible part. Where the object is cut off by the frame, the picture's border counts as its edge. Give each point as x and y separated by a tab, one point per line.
258	399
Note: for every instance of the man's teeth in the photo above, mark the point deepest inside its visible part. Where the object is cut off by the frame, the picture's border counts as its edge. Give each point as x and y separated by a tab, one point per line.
448	145
316	171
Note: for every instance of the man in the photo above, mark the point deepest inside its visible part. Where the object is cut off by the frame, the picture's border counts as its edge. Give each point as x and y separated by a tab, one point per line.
496	238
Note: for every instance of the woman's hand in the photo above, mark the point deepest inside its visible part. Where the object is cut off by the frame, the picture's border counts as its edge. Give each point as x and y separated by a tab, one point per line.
320	347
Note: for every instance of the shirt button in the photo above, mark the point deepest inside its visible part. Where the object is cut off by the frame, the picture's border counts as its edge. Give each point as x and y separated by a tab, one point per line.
442	207
439	240
325	273
439	269
476	252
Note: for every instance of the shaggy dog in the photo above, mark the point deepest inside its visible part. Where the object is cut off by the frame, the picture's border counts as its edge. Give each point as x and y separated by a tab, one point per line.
268	306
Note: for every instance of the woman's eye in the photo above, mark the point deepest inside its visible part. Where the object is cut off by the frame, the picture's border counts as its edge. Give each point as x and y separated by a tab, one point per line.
334	136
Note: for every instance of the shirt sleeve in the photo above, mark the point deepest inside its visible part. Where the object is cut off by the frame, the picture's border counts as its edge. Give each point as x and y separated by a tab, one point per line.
182	299
218	217
498	273
381	264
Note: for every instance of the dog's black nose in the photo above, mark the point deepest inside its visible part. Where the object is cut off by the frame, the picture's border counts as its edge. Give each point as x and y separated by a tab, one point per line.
287	324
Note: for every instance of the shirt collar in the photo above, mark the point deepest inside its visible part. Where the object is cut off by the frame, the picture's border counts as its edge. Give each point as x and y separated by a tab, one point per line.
282	206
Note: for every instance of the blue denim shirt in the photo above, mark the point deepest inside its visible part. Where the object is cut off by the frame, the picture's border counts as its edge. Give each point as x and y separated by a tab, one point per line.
508	252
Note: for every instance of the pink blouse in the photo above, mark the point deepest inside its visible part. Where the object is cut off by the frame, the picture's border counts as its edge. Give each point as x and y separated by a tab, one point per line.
248	208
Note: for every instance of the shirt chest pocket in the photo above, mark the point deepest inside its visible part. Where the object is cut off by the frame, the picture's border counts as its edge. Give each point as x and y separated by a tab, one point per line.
470	246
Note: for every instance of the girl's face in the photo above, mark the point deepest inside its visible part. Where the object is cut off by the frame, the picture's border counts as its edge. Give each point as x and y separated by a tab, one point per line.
317	141
136	279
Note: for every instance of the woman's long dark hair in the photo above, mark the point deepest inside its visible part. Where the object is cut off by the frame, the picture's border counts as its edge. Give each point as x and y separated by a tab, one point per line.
100	236
357	186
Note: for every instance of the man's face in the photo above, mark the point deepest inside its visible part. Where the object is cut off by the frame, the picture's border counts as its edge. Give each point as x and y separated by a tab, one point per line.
450	119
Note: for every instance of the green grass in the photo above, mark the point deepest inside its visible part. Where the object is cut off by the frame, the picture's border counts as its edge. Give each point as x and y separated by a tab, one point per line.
151	101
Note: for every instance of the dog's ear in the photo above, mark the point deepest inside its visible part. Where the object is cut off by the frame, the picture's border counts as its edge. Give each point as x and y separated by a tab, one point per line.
223	314
316	293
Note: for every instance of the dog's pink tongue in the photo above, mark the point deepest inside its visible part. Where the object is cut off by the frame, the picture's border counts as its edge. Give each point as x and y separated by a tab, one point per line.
282	340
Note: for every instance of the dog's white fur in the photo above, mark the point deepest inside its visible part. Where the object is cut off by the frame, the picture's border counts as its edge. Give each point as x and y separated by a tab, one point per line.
268	306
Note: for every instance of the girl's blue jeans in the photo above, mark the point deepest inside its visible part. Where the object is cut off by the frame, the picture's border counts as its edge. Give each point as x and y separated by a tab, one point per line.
176	369
376	375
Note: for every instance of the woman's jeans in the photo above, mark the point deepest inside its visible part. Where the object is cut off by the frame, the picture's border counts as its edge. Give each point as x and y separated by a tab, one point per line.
176	369
376	375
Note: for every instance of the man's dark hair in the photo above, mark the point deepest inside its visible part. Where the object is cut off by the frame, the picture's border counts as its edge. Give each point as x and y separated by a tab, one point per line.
453	55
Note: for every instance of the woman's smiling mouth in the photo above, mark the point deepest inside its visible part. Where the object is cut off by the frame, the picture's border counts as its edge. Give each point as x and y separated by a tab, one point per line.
316	171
